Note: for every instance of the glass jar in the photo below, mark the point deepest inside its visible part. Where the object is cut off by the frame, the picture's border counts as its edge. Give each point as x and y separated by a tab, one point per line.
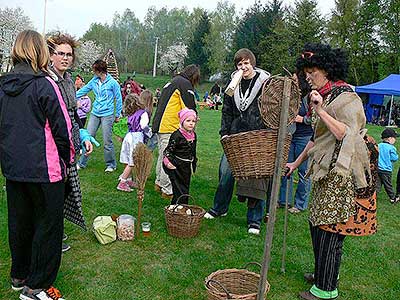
126	227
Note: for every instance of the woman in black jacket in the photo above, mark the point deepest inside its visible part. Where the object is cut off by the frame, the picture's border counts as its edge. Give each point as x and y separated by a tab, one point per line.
33	116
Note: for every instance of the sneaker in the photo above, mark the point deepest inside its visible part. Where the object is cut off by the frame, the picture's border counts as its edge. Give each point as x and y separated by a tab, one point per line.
40	294
109	169
166	196
17	284
124	186
393	200
132	184
65	237
255	231
210	215
65	247
294	210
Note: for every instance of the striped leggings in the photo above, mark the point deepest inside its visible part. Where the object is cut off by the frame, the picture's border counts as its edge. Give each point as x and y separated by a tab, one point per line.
327	248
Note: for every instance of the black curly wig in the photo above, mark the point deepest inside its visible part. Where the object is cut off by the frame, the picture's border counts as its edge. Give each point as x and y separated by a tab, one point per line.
324	57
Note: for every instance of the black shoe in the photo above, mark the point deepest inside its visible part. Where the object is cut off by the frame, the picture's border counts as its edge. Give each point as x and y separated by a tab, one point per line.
65	237
308	296
17	284
65	247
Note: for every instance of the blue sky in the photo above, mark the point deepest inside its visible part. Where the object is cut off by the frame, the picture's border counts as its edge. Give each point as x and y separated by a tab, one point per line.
75	16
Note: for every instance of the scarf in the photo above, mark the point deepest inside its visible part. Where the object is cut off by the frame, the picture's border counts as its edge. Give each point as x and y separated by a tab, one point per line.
330	86
189	136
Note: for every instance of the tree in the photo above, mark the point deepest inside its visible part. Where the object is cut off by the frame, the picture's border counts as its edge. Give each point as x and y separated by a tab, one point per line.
12	22
197	50
219	40
87	54
390	35
305	24
172	61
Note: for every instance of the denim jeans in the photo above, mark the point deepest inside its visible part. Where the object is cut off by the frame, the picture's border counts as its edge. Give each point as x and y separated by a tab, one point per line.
304	186
106	128
223	196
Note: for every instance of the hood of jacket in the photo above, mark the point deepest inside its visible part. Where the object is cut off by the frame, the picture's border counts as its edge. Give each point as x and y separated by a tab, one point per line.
15	82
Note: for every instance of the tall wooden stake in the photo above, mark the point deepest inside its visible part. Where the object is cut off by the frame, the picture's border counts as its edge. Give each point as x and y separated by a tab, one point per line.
276	183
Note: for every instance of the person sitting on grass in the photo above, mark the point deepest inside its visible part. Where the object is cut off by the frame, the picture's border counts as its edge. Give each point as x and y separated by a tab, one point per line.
387	156
180	156
138	109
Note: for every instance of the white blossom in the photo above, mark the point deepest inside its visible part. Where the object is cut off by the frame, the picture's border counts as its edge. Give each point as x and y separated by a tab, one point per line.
172	60
87	54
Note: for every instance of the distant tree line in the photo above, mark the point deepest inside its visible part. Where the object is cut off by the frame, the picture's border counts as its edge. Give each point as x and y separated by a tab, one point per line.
367	29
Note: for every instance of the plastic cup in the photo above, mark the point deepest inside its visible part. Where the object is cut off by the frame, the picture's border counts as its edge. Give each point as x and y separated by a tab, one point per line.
146	228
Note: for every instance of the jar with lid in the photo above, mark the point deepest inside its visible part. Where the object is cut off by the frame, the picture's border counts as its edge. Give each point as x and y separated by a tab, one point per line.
126	227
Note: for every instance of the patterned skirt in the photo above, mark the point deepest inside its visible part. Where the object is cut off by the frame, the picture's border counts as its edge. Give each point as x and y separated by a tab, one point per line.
73	198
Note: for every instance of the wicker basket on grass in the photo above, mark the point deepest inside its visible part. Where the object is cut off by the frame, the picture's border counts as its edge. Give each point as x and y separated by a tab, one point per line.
252	154
183	220
239	284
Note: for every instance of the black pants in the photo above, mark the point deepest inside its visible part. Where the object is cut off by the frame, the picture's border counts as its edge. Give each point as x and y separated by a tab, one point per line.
35	225
385	179
327	248
398	183
180	181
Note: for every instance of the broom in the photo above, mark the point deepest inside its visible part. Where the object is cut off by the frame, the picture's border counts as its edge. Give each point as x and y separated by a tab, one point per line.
143	161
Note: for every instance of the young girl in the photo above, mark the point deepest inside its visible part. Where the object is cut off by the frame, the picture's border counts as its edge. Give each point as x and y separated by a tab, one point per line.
84	103
138	110
180	155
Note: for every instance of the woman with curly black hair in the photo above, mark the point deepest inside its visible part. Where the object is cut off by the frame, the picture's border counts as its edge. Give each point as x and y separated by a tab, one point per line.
339	165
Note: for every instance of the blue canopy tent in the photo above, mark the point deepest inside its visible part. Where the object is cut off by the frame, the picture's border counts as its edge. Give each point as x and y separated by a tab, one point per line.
388	86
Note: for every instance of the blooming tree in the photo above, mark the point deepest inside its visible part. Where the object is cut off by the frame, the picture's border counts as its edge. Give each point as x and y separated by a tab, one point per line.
12	22
88	53
172	60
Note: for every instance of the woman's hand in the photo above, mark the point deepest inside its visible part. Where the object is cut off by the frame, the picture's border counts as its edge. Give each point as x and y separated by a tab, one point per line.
290	167
316	101
170	166
88	147
299	119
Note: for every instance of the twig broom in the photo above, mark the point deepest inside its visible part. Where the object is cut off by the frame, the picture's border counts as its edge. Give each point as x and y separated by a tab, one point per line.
143	161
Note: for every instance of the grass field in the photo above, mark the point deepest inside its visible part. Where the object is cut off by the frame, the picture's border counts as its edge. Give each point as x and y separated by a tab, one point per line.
163	267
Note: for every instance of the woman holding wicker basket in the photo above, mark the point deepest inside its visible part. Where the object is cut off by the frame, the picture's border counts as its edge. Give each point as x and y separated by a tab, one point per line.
339	166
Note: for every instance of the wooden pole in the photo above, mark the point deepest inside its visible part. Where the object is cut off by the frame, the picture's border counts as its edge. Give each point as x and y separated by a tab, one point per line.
283	265
140	196
276	182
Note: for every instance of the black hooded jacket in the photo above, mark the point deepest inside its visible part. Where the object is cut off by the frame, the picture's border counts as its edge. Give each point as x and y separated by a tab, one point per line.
35	129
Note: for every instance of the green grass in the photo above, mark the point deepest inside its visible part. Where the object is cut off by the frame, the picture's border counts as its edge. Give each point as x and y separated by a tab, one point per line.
164	267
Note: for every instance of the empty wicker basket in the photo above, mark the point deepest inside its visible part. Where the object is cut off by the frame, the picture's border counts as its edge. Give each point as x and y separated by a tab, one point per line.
183	222
252	154
239	284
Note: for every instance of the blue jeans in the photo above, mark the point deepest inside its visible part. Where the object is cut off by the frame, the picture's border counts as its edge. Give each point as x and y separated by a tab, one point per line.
304	186
106	128
223	196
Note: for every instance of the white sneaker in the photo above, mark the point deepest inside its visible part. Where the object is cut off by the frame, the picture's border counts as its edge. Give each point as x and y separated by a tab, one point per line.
109	169
254	231
208	216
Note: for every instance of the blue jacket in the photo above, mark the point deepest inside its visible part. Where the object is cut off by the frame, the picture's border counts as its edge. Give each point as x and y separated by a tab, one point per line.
387	155
105	94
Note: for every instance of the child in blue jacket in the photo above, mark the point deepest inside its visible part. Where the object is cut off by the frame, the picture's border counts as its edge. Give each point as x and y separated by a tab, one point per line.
387	156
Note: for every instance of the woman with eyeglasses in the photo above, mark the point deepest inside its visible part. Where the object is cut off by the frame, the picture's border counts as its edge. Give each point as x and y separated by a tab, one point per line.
343	190
62	56
35	150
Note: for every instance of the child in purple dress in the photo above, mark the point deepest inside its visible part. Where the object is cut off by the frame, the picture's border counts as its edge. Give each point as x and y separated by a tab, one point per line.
138	110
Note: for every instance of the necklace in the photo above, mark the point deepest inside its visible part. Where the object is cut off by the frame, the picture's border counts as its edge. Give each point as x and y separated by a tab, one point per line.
244	96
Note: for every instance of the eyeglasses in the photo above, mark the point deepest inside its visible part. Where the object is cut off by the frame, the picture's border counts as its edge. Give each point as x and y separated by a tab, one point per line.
63	54
307	54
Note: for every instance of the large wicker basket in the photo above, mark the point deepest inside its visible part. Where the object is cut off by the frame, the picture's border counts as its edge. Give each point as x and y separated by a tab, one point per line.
180	223
270	101
252	154
240	284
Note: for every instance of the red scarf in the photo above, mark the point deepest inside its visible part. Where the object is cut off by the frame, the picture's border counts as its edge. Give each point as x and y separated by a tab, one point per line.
329	86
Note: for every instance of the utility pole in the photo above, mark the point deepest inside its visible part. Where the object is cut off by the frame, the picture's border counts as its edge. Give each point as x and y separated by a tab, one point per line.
155	58
44	18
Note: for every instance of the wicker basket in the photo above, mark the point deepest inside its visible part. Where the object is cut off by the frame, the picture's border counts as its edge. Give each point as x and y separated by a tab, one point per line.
270	101
239	284
183	225
252	154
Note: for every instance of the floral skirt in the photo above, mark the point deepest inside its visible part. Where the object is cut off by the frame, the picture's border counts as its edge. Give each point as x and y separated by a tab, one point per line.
333	200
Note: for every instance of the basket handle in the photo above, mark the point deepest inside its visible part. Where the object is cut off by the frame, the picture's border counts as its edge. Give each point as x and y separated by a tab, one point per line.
252	263
221	285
